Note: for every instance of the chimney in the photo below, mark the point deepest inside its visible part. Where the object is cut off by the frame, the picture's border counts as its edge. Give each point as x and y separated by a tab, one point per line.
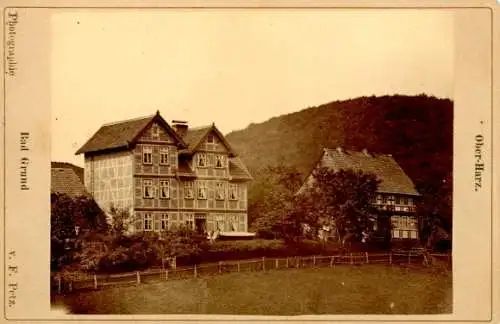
180	127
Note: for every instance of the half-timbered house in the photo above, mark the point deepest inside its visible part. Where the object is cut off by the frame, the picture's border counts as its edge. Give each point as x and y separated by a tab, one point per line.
396	195
167	176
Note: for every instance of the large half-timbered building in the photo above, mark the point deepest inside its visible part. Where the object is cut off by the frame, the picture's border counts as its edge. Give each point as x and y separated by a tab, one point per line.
396	195
167	176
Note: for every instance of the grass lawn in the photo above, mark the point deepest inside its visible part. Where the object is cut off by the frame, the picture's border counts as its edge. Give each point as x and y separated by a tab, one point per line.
368	289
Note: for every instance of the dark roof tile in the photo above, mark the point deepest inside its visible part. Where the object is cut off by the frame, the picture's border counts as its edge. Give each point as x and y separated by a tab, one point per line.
237	169
66	181
393	178
115	135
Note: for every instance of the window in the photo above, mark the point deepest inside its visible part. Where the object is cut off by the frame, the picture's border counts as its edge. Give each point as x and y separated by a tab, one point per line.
147	155
404	227
390	200
219	191
398	200
189	220
164	156
201	160
410	201
219	223
202	190
164	222
148	189
164	189
188	190
155	131
148	222
233	223
405	201
210	139
219	161
233	191
379	199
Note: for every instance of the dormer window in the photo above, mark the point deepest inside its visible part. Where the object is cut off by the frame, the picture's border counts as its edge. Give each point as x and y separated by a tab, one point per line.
147	155
164	156
210	139
201	160
219	161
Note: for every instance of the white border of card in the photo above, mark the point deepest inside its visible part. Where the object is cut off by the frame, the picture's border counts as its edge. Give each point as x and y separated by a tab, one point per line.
27	110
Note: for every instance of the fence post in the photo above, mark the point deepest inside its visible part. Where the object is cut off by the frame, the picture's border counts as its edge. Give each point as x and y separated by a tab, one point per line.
314	261
95	281
390	257
263	263
238	265
367	260
59	284
220	267
352	261
195	271
166	274
409	257
276	264
138	277
331	260
297	264
287	262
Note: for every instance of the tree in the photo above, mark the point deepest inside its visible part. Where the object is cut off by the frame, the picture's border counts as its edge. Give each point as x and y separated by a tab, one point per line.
70	217
434	209
339	199
121	220
181	242
275	201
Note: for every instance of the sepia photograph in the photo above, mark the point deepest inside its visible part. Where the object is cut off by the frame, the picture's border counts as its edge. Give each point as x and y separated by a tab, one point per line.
248	163
244	167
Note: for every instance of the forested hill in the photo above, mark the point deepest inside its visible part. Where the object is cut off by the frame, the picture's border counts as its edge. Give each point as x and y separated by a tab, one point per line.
416	130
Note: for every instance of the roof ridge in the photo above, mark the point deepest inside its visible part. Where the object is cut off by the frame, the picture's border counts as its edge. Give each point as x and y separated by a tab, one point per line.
200	127
377	154
127	120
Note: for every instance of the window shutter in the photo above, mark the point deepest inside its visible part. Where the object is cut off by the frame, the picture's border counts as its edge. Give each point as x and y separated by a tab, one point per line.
157	220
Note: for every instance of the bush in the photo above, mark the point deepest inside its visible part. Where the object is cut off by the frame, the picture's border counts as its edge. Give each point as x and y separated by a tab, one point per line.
236	250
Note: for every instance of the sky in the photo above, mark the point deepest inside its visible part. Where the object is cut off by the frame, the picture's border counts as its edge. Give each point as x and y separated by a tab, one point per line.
235	67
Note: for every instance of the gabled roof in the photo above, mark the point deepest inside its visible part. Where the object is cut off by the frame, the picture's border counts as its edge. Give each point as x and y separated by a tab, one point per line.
195	136
78	170
237	170
393	178
66	181
124	133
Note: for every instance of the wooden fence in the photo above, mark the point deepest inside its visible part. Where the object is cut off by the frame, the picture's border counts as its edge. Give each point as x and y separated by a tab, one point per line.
64	283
